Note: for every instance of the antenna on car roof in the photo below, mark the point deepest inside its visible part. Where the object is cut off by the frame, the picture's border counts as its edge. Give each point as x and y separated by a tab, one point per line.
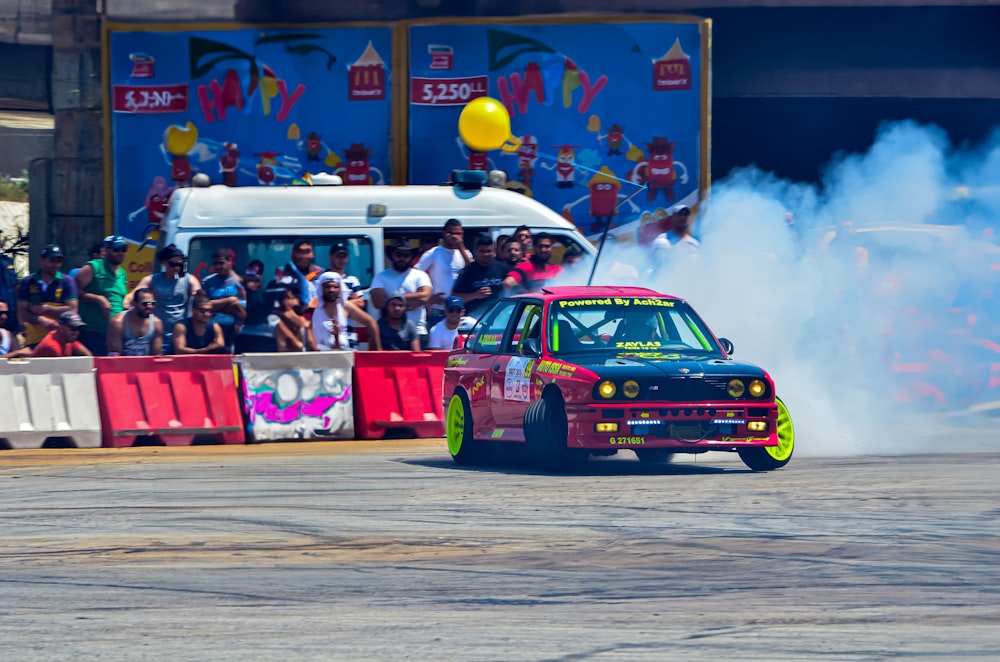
607	228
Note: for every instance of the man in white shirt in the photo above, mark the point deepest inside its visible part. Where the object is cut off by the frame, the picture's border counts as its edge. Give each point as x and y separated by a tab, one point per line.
443	263
414	284
444	334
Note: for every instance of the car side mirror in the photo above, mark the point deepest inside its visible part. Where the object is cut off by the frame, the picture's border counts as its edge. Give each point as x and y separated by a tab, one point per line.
531	347
727	345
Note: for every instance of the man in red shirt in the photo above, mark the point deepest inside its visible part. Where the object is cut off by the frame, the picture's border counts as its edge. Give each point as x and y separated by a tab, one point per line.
531	274
64	340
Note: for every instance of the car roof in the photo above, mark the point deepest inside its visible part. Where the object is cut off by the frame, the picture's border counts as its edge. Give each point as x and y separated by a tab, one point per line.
591	291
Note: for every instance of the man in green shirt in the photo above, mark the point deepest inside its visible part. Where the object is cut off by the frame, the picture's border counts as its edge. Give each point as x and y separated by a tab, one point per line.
103	285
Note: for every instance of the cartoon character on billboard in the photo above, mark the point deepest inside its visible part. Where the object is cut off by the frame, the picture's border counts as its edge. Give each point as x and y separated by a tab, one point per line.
615	137
565	166
178	142
475	159
228	164
659	168
605	191
357	170
527	157
265	167
314	146
155	208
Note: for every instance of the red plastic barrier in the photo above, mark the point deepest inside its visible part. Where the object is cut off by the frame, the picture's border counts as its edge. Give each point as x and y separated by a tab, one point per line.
398	390
170	400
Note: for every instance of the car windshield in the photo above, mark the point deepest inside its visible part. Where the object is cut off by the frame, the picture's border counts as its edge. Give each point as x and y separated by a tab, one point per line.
628	326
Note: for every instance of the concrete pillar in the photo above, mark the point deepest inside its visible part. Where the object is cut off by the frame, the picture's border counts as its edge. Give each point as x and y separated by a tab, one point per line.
74	191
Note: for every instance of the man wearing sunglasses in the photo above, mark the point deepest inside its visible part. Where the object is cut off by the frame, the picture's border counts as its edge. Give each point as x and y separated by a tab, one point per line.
174	291
137	331
102	284
45	295
64	340
199	334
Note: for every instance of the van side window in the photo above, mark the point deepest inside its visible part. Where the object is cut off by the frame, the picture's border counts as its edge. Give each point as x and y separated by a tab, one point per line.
275	251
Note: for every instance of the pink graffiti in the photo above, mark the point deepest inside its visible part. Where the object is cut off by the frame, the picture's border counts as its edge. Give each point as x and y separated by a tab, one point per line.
263	406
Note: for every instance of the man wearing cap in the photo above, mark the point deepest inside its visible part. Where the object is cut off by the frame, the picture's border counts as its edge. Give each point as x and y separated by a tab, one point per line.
258	333
680	236
64	340
444	334
350	286
395	329
102	284
443	263
414	284
45	295
329	321
174	291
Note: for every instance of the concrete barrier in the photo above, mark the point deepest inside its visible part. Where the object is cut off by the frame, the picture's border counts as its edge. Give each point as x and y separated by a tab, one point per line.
49	402
297	396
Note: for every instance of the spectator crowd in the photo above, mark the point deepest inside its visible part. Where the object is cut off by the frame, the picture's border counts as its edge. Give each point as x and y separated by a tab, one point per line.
418	302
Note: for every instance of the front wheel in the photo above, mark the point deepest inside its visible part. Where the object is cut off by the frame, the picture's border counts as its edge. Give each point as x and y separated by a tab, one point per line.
546	433
769	458
458	431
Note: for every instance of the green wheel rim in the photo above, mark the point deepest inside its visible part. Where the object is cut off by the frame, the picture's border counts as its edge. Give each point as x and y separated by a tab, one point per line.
786	435
455	424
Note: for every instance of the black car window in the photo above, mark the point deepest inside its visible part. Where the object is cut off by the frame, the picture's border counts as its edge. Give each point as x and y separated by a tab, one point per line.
489	333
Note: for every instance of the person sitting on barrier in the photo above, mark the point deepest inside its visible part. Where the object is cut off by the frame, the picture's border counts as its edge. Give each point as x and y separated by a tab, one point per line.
10	348
64	340
136	331
199	334
329	321
292	332
444	334
174	291
228	297
396	330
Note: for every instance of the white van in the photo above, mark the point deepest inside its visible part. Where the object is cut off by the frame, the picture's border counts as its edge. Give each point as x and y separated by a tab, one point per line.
262	223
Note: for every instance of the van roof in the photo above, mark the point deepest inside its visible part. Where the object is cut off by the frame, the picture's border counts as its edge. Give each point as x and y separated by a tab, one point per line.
315	206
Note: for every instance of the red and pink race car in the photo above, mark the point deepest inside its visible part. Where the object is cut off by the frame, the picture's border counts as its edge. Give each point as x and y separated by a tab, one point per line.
575	371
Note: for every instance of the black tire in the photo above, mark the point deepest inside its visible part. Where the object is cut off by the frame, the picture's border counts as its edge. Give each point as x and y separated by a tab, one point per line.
458	431
545	432
773	457
653	455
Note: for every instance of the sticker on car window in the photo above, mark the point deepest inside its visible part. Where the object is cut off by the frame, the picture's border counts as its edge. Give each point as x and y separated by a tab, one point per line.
517	380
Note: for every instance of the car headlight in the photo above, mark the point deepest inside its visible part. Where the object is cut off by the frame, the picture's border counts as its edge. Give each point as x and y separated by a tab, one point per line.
607	389
757	388
735	388
630	388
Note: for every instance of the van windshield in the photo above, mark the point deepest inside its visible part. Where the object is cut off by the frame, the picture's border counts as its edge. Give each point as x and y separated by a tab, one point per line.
275	251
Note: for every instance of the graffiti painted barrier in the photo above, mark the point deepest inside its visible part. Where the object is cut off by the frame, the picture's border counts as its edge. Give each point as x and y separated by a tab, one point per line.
290	397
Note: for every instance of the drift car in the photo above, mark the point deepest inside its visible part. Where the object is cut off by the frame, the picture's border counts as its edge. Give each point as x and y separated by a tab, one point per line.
575	371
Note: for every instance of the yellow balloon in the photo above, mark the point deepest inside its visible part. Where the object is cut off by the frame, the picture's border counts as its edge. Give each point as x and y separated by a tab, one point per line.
484	125
181	140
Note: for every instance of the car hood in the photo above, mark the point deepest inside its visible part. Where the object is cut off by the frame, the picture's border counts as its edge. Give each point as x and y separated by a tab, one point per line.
613	366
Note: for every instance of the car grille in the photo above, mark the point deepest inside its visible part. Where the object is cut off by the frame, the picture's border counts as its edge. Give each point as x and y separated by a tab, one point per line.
688	389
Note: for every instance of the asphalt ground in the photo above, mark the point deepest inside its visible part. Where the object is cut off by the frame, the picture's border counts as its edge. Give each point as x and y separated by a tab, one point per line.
388	551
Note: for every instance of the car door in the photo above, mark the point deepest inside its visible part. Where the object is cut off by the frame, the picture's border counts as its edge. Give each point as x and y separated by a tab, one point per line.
511	391
484	345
